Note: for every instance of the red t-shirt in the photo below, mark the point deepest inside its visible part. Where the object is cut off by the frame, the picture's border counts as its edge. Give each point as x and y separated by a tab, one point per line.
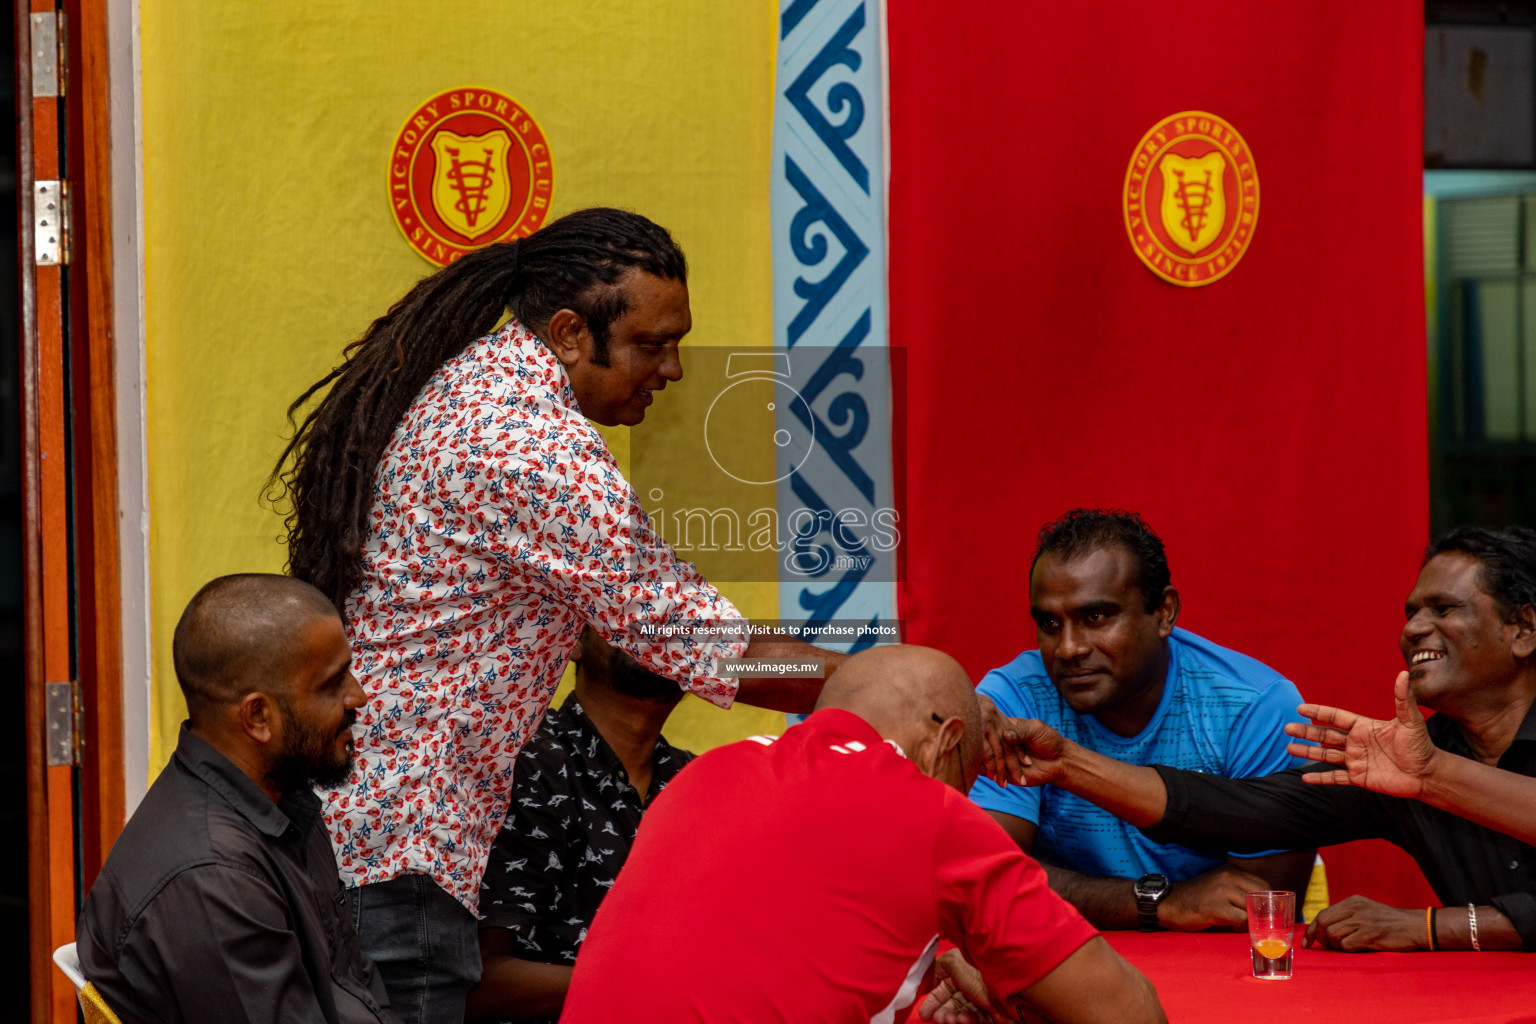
810	878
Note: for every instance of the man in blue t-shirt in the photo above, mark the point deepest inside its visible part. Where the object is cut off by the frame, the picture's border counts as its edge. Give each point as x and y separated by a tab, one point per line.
1115	675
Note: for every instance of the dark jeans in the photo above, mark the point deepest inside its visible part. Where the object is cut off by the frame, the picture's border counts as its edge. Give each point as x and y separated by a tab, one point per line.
425	945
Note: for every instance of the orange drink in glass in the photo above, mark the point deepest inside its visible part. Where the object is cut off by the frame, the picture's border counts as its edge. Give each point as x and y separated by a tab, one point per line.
1271	927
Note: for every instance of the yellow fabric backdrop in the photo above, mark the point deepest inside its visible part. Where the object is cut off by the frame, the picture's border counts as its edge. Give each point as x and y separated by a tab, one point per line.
269	242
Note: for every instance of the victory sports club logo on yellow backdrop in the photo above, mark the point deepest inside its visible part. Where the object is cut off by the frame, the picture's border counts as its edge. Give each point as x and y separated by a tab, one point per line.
1191	198
469	168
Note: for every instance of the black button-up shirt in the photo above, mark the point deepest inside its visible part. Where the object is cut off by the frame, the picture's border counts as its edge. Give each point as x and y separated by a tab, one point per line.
572	821
1464	862
218	905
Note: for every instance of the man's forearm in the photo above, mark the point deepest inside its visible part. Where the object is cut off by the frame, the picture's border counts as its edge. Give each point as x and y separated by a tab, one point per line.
515	989
1453	930
1478	792
794	694
1120	992
1129	792
1107	903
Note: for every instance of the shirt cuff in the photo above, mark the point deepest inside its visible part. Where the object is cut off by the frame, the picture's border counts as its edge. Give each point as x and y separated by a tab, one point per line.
720	690
1175	809
1520	908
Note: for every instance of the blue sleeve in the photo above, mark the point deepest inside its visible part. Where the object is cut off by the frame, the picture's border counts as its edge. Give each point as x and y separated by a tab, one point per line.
1257	745
1019	801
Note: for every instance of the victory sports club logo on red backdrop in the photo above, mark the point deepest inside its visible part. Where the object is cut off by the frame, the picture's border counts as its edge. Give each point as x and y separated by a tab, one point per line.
1191	198
469	168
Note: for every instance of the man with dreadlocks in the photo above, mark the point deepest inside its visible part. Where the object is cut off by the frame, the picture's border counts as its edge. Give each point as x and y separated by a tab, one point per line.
451	497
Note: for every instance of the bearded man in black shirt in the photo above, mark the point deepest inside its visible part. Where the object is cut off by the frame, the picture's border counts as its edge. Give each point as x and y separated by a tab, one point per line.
220	901
579	789
1470	648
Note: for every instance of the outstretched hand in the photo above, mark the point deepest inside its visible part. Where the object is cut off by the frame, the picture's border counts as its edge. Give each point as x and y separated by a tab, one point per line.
1390	757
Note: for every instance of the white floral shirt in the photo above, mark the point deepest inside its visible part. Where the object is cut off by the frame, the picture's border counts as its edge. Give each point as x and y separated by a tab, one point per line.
501	524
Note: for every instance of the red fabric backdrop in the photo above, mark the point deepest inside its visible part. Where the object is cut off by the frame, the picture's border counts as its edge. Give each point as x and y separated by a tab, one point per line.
1271	425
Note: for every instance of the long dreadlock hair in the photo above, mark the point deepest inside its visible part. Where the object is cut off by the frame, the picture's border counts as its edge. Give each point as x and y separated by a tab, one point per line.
327	470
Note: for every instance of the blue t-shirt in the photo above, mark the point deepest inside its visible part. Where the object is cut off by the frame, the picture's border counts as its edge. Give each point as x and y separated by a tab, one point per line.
1221	713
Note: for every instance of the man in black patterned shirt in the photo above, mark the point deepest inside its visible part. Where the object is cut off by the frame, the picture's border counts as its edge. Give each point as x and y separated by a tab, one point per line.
578	791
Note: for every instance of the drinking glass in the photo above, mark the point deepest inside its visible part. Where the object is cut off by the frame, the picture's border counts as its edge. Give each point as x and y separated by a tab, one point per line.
1271	924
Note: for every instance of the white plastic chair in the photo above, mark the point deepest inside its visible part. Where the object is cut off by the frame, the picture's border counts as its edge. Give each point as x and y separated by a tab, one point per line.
67	959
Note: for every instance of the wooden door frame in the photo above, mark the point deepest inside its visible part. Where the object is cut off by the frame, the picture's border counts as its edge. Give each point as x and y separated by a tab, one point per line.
45	542
98	604
70	562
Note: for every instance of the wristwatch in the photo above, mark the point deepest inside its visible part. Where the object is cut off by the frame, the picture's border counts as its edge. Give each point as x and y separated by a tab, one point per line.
1150	889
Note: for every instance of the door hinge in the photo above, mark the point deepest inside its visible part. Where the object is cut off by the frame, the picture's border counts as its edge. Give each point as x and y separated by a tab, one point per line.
64	724
50	222
49	71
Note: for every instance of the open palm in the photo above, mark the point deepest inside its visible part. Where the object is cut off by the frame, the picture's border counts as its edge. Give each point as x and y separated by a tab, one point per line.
1388	757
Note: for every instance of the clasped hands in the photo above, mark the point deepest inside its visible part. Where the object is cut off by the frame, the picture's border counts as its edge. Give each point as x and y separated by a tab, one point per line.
1013	744
959	995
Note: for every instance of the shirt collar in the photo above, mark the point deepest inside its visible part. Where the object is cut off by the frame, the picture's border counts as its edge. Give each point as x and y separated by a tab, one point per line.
573	721
1445	734
1527	731
529	360
219	773
851	726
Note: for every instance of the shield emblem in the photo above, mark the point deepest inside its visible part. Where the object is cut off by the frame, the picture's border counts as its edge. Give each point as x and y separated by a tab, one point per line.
1194	204
471	188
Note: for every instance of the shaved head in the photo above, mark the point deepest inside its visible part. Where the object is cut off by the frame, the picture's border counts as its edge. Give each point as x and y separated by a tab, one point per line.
899	690
241	633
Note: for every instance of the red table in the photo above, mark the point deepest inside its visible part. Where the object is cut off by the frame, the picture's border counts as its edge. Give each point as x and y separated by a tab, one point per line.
1205	978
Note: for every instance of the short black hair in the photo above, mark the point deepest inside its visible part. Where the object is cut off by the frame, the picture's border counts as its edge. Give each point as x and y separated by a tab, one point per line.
1508	555
1088	529
238	634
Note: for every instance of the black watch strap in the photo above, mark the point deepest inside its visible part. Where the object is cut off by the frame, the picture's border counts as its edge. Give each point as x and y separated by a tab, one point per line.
1150	890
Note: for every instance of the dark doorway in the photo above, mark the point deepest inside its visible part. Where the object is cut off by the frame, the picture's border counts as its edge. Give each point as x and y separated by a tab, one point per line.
1480	260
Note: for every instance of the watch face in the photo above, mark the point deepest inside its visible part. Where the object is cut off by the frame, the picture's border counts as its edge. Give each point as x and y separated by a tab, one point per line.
1152	885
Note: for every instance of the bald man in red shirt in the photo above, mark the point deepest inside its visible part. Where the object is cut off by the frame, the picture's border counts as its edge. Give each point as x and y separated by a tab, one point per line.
854	852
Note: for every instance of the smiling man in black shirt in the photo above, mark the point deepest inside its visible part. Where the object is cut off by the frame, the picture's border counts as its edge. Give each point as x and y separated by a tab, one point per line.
578	791
1470	647
220	901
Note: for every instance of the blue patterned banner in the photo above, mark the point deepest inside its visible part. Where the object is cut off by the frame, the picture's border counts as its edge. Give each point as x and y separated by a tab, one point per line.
828	219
